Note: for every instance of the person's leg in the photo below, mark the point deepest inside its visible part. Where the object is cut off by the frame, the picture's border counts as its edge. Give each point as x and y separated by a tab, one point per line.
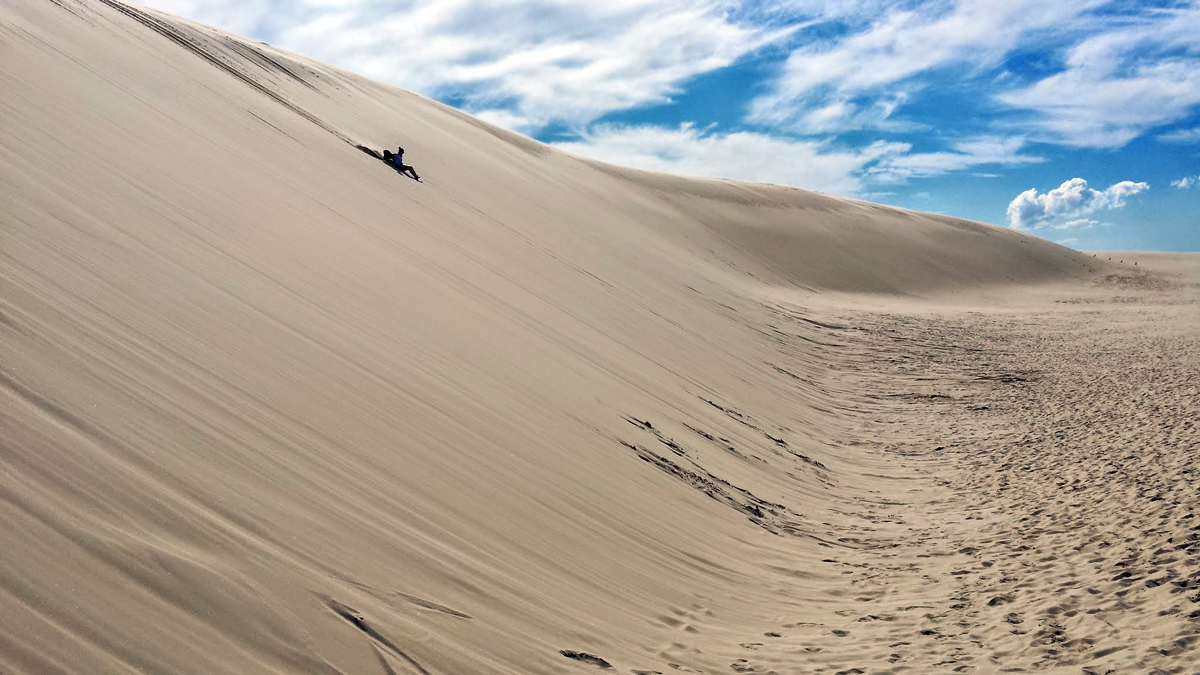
409	170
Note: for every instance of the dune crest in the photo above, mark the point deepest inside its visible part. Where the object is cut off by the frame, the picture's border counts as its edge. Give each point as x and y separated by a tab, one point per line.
268	406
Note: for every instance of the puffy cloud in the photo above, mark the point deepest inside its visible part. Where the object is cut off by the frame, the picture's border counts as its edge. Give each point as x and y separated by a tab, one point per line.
1064	206
1186	182
747	156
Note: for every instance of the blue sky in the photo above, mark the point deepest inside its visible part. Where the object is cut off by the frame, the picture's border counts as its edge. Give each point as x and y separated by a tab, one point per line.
1078	121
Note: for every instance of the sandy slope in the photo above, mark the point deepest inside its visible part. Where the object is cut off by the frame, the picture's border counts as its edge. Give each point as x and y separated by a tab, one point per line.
268	406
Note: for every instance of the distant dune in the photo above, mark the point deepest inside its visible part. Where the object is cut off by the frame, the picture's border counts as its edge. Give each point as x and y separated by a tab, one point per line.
268	406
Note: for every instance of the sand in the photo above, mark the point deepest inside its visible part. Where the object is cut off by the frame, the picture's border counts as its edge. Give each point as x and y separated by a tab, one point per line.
267	406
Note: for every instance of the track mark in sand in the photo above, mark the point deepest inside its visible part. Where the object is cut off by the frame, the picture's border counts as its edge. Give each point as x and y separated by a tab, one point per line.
190	43
9	322
411	599
723	443
770	516
55	411
1006	377
426	604
584	657
265	61
745	421
774	518
80	6
360	622
383	662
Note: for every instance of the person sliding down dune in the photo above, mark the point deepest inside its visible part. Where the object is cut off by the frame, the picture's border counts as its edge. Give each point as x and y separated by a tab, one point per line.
398	160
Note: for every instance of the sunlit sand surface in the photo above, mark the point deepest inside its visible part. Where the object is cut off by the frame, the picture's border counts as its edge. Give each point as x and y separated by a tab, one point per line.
267	406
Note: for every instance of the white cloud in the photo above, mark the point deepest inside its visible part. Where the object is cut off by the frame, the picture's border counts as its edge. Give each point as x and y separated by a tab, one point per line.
1064	206
1134	70
507	119
747	156
1121	83
861	80
1181	136
1076	224
527	64
968	153
768	158
537	61
1186	182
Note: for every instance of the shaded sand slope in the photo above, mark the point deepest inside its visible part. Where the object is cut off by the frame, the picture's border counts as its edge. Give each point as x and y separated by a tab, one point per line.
268	406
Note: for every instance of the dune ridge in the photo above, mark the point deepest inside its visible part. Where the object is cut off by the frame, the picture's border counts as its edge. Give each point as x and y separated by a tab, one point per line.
270	407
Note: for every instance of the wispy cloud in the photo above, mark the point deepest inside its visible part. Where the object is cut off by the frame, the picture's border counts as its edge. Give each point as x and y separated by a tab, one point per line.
767	158
1076	224
1065	206
1121	83
1181	136
1186	182
748	156
986	150
837	95
1122	73
527	63
859	81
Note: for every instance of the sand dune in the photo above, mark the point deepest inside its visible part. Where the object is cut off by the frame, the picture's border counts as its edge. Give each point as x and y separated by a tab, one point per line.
269	406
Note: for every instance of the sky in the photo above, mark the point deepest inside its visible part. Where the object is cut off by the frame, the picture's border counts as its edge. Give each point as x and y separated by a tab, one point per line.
1076	120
